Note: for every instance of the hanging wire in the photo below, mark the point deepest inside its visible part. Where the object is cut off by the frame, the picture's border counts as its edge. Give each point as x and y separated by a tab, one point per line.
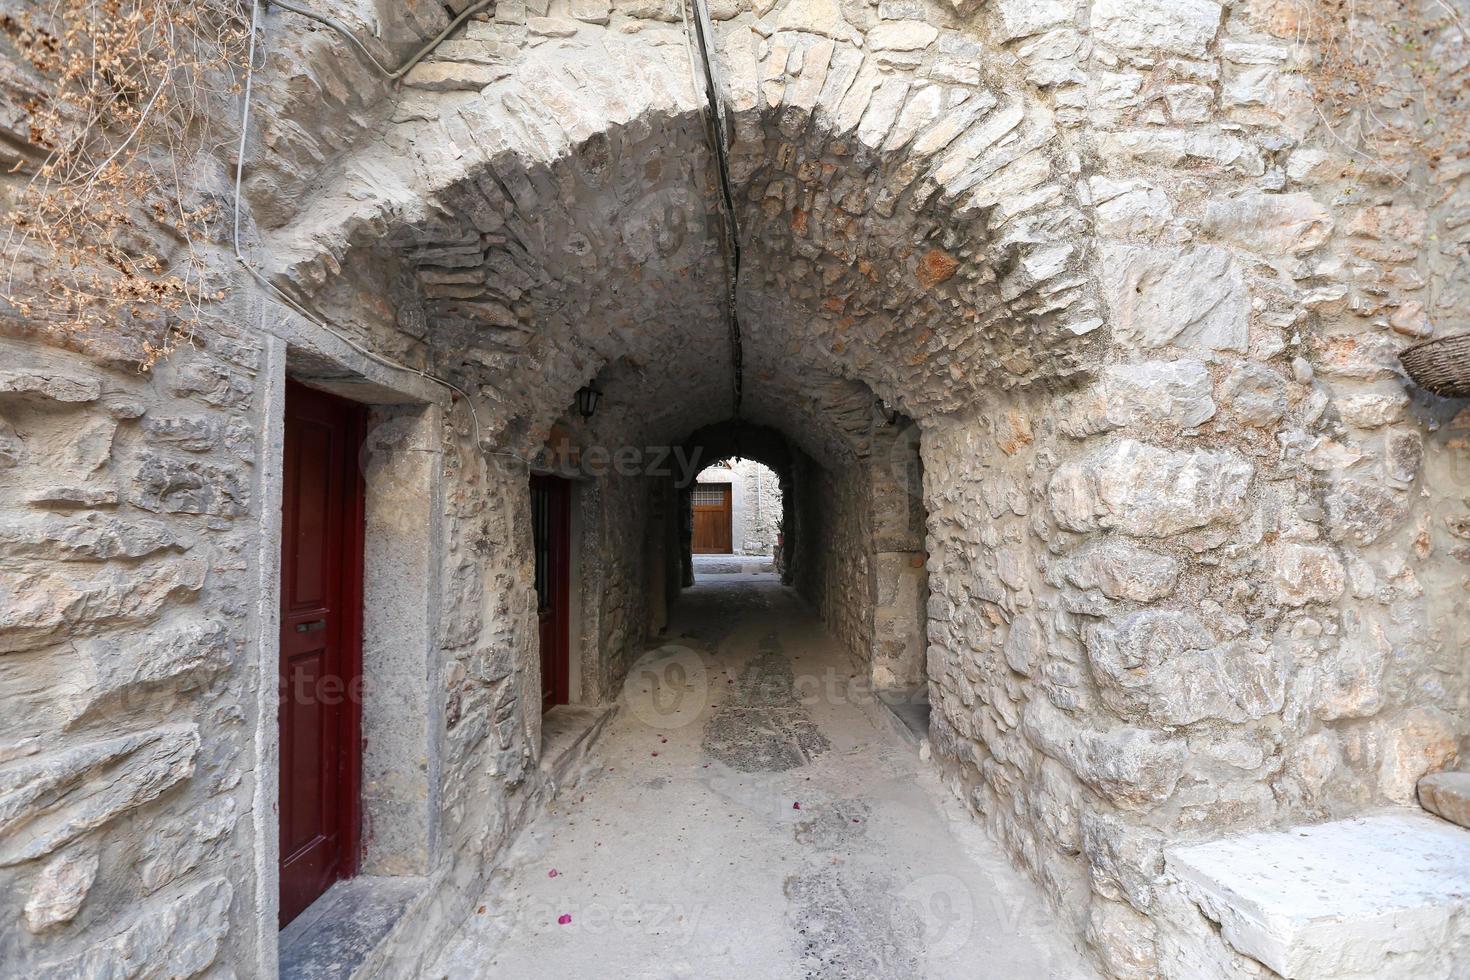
718	140
393	74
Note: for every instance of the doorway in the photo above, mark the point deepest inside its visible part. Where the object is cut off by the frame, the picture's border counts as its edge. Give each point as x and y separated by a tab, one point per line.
551	538
321	646
711	503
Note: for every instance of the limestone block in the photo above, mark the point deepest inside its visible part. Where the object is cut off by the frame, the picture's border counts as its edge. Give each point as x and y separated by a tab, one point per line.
1349	680
179	939
1307	573
1254	394
1124	940
124	672
1129	208
454	76
1132	767
1182	27
180	846
211	382
49	385
1271	224
1419	741
1447	795
1123	861
1024	18
93	537
60	889
1193	297
37	608
193	433
1178	148
1363	512
1055	805
1372	409
551	26
1358	357
1025	644
1121	570
1163	666
49	800
816	17
1176	394
1379	896
1147	491
1189	103
594	11
171	485
911	35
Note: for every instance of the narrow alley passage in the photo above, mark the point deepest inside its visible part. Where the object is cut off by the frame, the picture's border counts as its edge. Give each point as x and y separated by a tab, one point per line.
753	815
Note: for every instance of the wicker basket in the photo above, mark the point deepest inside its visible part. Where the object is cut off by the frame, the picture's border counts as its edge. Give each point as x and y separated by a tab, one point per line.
1441	365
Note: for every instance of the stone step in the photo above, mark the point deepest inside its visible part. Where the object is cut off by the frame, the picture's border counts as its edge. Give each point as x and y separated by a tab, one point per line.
1447	795
1381	896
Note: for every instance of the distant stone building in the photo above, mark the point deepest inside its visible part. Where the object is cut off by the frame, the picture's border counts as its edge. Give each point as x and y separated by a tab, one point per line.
755	502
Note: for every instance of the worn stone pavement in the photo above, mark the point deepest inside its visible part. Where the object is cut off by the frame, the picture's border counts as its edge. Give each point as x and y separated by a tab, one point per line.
750	815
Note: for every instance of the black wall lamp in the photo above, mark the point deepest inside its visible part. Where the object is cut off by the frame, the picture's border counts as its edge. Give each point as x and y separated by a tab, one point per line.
890	415
587	398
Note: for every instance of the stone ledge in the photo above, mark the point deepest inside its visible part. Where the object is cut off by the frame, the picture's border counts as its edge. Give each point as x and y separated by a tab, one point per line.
1385	895
1447	795
907	712
568	732
340	930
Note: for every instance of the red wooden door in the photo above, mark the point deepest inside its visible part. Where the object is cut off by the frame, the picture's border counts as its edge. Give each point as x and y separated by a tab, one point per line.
321	652
551	514
712	519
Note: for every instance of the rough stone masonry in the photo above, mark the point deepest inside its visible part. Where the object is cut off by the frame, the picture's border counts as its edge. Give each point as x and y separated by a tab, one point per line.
1194	549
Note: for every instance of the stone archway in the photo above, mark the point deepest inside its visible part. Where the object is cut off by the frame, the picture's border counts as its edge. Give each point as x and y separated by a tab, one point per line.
1193	553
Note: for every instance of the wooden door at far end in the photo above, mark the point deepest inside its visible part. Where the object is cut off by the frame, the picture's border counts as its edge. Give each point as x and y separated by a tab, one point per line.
712	524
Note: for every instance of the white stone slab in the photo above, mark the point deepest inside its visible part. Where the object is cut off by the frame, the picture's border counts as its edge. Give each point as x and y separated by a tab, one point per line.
1383	896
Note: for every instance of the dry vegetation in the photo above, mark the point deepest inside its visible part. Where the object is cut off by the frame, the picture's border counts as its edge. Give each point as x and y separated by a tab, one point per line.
106	235
1392	76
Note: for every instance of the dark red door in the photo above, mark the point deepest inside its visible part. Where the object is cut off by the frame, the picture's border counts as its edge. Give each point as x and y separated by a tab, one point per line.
321	654
551	514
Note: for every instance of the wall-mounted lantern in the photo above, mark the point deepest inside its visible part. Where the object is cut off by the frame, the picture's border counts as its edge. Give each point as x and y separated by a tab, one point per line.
587	398
890	415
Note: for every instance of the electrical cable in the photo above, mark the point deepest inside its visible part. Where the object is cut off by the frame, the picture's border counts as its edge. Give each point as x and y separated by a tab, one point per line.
715	133
391	74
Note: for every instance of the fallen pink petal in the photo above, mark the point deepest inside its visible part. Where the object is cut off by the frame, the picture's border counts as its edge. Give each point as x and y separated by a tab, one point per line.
565	919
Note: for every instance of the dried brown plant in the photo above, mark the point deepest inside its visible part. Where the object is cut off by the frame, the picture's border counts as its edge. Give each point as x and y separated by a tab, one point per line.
107	233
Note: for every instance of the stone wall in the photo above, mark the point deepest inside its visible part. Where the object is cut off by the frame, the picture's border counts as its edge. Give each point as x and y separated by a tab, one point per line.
129	546
1196	551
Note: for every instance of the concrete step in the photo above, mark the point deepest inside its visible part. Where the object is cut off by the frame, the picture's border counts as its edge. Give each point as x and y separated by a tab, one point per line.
907	710
568	733
1382	896
1447	795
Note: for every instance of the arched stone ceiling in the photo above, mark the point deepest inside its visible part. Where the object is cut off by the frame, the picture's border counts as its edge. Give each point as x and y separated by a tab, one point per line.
905	218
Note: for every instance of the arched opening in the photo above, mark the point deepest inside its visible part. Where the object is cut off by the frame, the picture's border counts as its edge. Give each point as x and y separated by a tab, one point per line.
736	510
1070	332
906	276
